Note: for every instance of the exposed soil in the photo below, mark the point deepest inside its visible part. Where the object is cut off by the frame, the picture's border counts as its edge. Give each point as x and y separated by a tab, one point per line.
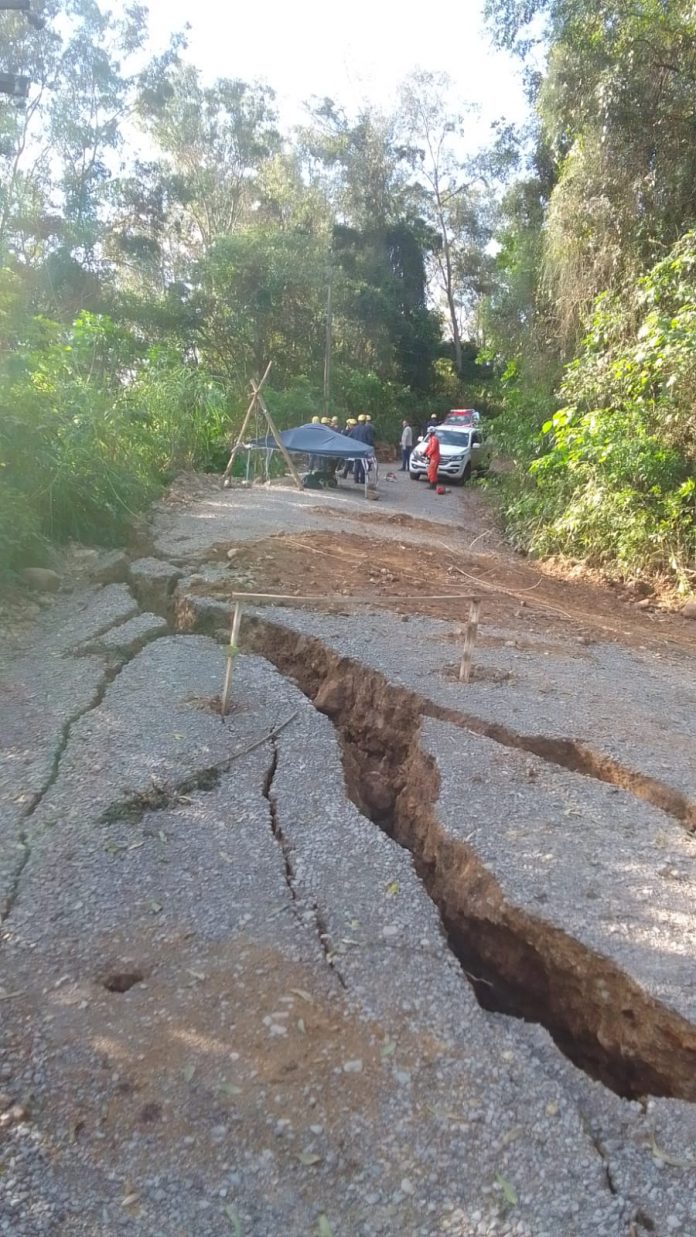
419	577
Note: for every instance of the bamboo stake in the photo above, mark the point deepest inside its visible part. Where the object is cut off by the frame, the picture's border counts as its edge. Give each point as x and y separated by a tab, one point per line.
231	654
469	641
245	422
342	599
272	426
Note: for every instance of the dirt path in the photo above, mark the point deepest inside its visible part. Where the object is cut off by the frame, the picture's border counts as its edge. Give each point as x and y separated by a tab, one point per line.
381	953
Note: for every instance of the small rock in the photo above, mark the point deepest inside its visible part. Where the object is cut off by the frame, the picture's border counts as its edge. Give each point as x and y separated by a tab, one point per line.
17	1113
352	1067
41	578
5	1101
407	1187
689	610
645	604
233	552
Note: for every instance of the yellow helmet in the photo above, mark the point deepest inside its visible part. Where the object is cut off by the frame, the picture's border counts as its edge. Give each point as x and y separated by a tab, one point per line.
368	417
351	421
325	421
315	420
334	420
362	417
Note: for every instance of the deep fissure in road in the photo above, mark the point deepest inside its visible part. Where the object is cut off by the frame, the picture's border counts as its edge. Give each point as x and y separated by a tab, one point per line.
517	963
187	614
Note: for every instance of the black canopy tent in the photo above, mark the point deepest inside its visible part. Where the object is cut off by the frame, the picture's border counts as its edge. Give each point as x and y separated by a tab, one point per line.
310	439
317	441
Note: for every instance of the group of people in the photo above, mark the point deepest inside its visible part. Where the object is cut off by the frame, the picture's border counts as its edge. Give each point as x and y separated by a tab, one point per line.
361	429
431	447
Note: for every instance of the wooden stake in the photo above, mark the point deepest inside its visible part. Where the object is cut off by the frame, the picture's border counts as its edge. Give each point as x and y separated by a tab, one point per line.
231	654
469	641
240	437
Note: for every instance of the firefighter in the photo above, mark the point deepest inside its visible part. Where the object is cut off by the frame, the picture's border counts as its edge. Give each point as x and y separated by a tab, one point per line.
432	452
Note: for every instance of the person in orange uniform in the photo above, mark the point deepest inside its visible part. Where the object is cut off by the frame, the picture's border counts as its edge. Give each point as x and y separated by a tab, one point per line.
432	451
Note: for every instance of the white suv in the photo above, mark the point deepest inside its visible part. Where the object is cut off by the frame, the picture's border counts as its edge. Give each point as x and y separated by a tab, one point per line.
462	452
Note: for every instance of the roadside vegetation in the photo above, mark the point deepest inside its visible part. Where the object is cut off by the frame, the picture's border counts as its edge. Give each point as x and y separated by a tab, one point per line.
591	325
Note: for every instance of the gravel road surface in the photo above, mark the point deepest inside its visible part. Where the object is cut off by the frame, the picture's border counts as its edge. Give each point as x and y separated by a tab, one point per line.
244	961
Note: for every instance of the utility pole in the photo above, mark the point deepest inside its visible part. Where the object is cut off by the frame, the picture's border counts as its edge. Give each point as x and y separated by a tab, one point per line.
327	349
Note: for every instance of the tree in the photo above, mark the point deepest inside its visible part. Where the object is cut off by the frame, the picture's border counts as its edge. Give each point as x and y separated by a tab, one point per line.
453	199
215	141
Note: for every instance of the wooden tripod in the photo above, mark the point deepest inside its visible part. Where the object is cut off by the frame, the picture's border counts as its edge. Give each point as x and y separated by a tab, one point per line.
259	404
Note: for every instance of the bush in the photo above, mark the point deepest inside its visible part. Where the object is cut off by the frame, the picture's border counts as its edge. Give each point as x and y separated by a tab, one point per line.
610	475
90	430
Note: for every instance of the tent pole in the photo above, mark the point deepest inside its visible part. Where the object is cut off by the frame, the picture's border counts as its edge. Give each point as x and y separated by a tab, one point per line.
281	445
230	463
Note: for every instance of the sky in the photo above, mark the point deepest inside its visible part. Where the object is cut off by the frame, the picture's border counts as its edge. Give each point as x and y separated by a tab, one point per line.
352	52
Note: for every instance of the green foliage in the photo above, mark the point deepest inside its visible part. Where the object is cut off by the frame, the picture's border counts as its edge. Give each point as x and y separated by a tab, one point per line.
613	479
20	532
90	429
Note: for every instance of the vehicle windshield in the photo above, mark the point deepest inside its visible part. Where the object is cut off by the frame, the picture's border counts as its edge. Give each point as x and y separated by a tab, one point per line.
453	438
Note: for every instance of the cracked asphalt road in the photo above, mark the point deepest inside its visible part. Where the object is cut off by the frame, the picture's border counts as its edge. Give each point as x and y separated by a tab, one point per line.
228	1003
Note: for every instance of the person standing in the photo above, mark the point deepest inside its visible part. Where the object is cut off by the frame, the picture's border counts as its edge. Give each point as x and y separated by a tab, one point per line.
362	434
430	424
406	445
369	430
431	451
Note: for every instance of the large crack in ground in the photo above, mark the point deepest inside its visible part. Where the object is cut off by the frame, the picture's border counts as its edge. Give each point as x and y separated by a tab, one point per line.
577	757
518	964
570	754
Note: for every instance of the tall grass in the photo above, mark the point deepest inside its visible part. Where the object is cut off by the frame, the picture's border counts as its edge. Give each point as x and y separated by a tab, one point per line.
91	429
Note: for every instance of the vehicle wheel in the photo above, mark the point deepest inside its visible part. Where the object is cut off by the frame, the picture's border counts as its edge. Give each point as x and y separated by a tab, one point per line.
466	475
415	476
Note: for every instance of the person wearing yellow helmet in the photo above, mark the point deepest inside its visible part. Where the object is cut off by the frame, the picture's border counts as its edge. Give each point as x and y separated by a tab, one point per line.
325	421
362	417
315	420
369	430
